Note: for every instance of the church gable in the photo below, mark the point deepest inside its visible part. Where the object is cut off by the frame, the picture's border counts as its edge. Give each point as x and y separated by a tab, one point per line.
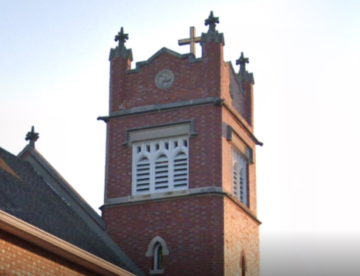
166	77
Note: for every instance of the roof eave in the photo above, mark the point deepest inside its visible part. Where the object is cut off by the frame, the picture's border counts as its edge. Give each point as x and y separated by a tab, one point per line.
58	246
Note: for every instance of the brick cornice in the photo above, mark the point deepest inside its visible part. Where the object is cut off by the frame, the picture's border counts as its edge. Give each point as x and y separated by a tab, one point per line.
177	105
160	107
58	246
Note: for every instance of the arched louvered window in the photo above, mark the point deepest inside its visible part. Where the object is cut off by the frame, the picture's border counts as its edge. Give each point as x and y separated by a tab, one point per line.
160	165
161	173
240	177
180	170
143	175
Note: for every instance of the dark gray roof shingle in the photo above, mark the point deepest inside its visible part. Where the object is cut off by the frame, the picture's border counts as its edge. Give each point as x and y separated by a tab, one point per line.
34	201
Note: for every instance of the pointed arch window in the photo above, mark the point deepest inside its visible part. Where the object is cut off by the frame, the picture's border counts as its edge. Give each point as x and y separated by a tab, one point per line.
160	165
243	266
180	170
157	249
240	187
158	257
143	174
161	173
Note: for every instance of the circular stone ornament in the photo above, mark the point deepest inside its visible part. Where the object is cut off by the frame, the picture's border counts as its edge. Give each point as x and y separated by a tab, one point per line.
164	79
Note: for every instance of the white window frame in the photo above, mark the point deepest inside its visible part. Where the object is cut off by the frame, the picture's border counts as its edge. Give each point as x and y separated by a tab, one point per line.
169	147
240	185
152	252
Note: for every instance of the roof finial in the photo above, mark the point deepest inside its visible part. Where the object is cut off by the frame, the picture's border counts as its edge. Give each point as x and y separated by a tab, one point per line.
32	137
121	37
211	21
242	61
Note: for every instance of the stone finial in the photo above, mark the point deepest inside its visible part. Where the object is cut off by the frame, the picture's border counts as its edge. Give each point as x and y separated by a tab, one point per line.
242	61
212	35
120	50
192	40
32	137
211	21
244	75
121	37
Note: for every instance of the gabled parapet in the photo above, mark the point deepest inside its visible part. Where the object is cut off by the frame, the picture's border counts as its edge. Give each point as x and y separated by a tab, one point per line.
139	64
168	76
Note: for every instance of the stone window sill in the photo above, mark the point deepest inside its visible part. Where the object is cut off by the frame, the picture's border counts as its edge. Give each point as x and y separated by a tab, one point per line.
156	271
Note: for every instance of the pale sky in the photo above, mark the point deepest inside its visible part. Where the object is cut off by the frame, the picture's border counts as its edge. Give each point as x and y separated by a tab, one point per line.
305	56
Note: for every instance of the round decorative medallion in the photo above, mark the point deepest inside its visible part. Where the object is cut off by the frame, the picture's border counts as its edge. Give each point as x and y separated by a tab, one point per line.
164	79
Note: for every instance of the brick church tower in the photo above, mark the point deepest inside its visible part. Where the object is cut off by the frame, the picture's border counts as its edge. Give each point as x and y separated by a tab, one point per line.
180	191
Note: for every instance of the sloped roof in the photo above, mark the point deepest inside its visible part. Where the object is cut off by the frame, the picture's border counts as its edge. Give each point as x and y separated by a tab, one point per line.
27	195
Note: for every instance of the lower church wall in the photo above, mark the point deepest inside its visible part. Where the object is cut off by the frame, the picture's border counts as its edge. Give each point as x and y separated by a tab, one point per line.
192	228
18	257
241	239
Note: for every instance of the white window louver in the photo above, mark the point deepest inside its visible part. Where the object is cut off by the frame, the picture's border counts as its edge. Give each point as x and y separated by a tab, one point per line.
143	175
180	170
240	180
160	165
161	172
235	178
242	188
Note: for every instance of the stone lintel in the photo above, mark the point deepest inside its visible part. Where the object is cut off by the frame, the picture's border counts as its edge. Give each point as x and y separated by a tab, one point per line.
233	137
160	131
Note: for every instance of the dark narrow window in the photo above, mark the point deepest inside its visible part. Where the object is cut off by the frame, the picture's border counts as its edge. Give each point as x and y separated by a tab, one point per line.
243	266
158	257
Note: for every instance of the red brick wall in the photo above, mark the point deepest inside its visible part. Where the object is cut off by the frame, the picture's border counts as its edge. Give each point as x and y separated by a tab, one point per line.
241	232
204	148
191	80
23	258
198	230
227	164
241	237
191	227
241	101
